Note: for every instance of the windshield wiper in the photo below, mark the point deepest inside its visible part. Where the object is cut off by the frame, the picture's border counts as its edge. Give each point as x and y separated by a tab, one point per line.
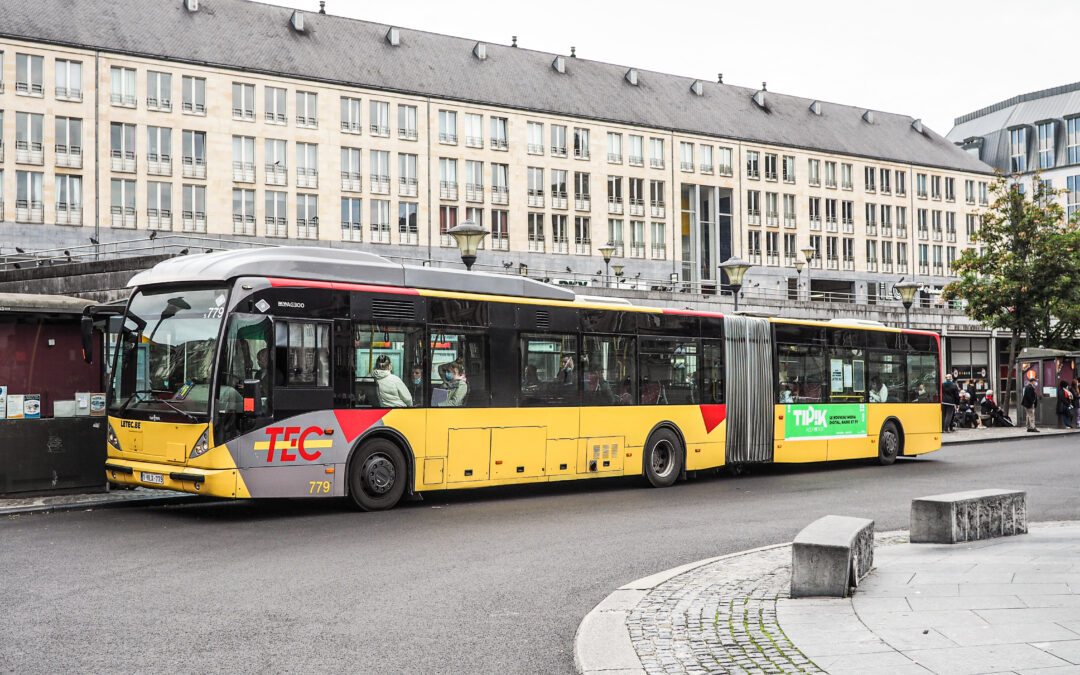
130	399
177	409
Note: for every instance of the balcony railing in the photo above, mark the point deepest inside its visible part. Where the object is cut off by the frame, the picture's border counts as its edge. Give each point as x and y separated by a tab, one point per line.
243	172
637	250
657	162
614	158
474	142
123	217
29	152
871	229
352	230
536	198
924	233
615	206
754	218
448	190
500	194
830	182
194	108
350	126
901	232
887	267
724	169
409	238
886	230
380	234
790	223
69	156
474	192
706	168
276	174
581	153
1	150
659	251
379	130
830	225
558	151
276	226
950	237
446	240
29	211
772	259
244	114
351	181
307	121
307	177
558	200
815	223
536	245
535	148
407	133
635	160
637	206
158	219
501	243
937	235
689	166
32	89
582	203
407	187
273	117
498	143
159	104
449	139
755	257
901	267
832	263
656	209
68	94
307	228
123	161
68	214
380	184
158	165
562	246
583	247
193	221
849	264
871	266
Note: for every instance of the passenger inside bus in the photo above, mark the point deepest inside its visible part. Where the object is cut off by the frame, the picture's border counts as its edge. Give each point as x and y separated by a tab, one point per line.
456	389
416	384
879	393
392	391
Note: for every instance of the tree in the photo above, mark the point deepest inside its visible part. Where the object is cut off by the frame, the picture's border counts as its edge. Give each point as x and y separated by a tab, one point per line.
1024	275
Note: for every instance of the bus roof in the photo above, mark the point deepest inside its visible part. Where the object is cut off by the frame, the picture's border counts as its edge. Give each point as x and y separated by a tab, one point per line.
334	264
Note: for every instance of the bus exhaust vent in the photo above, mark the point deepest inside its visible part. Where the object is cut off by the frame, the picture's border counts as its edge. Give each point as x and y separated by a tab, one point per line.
543	320
392	310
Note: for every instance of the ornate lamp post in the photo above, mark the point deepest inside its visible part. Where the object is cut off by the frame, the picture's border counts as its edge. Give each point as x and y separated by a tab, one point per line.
606	250
907	289
468	236
799	264
618	274
735	268
808	253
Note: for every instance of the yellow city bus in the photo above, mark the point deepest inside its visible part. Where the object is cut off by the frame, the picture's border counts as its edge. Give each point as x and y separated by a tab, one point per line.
308	372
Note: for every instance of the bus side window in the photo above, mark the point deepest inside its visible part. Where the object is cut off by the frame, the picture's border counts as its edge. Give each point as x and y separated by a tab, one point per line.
608	366
667	368
711	373
303	351
549	370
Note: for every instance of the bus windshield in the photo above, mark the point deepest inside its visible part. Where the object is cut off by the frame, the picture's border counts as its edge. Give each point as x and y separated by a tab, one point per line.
166	355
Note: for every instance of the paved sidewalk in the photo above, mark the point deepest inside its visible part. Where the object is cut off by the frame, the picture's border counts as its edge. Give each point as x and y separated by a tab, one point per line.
996	606
994	434
93	500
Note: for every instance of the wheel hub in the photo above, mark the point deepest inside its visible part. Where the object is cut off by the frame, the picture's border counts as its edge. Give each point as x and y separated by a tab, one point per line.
378	474
662	458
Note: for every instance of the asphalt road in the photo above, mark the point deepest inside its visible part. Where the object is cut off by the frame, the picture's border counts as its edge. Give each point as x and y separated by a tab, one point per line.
483	581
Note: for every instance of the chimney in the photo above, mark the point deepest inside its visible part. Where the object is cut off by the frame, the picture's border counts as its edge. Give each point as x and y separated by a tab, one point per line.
631	76
573	52
480	51
513	41
393	36
719	78
763	87
322	6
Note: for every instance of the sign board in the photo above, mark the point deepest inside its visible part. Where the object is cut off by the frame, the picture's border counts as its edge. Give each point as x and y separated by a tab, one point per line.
820	421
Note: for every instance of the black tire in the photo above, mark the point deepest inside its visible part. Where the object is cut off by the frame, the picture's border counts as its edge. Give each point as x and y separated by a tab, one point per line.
663	458
377	475
888	443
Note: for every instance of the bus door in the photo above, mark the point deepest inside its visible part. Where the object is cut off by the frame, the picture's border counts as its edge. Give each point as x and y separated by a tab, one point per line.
748	358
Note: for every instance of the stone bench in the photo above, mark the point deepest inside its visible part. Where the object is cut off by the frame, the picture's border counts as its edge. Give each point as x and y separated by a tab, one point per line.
830	556
968	516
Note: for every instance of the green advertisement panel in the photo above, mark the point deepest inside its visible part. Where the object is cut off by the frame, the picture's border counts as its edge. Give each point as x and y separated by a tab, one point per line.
822	421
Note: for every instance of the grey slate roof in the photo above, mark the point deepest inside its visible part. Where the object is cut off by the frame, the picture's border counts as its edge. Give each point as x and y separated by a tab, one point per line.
244	35
993	122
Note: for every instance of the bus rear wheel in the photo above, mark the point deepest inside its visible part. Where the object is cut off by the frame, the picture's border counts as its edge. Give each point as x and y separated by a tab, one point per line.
662	458
377	475
888	444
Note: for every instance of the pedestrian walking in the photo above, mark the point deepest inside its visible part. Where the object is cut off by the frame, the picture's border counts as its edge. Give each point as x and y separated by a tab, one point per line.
1066	404
1030	402
1076	402
950	398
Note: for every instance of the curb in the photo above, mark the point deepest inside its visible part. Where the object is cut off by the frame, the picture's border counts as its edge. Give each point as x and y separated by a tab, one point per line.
602	643
1004	439
152	500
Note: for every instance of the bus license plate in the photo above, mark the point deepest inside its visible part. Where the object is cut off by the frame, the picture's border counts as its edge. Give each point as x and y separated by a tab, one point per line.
155	478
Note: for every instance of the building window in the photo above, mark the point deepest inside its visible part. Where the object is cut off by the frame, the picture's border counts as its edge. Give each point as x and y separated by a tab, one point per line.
950	189
474	181
656	198
123	203
536	232
791	252
830	174
193	90
29	76
194	153
772	210
500	233
447	222
380	221
847	216
753	246
706	158
69	142
770	166
307	109
582	193
350	169
448	178
307	165
352	219
615	236
408	225
723	161
379	118
984	198
1072	194
68	80
158	91
753	207
870	172
29	144
29	207
814	170
815	213
535	145
406	122
558	140
194	212
901	183
659	241
637	238
656	153
1018	150
448	127
407	177
350	112
686	156
244	159
614	148
500	134
535	187
69	199
753	169
789	168
935	187
500	187
122	147
243	101
582	238
871	219
276	217
243	202
560	238
474	130
772	248
845	177
1046	145
885	183
379	175
581	143
1072	139
307	216
558	188
920	185
789	211
276	162
637	151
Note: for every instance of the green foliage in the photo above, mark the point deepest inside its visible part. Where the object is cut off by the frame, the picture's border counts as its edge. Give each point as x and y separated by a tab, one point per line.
1025	273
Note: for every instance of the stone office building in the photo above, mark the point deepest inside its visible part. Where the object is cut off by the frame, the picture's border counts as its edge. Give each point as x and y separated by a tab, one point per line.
238	120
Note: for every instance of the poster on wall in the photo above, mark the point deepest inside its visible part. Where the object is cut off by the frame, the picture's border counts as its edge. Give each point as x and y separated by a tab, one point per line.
836	367
15	406
3	401
32	406
821	422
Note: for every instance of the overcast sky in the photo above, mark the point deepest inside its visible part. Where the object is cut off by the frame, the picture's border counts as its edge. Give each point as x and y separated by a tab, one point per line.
934	60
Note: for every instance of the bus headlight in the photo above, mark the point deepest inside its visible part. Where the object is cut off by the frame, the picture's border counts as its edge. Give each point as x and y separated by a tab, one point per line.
112	438
202	445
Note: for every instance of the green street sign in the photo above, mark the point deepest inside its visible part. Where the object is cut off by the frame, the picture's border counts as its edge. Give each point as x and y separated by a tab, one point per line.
820	421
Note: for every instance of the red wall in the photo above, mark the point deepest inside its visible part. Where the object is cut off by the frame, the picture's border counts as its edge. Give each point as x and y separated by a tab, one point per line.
28	365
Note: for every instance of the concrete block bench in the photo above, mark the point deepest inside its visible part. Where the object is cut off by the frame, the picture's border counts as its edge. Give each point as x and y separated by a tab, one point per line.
968	516
830	556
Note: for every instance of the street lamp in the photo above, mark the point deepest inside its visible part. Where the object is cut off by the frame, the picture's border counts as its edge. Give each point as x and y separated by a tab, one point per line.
618	274
735	268
799	264
907	295
468	236
606	250
808	253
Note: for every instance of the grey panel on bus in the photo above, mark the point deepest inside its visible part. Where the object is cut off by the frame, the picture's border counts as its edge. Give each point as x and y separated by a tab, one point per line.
749	389
340	265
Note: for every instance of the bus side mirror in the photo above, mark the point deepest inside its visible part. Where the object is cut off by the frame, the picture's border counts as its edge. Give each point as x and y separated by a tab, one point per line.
86	326
253	402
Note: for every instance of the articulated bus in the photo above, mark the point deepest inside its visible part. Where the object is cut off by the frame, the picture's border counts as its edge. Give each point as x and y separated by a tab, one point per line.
306	372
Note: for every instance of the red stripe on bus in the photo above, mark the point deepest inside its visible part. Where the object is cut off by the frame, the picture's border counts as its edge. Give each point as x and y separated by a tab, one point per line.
713	415
278	282
355	422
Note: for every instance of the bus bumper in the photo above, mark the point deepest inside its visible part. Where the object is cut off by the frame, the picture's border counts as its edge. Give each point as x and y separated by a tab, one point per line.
209	482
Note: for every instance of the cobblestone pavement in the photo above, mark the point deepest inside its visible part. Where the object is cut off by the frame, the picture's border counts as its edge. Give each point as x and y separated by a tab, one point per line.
720	617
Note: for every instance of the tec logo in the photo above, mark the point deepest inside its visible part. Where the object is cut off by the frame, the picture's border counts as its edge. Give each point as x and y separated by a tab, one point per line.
291	441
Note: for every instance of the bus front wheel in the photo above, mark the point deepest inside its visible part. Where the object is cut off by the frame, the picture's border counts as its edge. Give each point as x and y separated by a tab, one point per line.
888	444
377	475
662	458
